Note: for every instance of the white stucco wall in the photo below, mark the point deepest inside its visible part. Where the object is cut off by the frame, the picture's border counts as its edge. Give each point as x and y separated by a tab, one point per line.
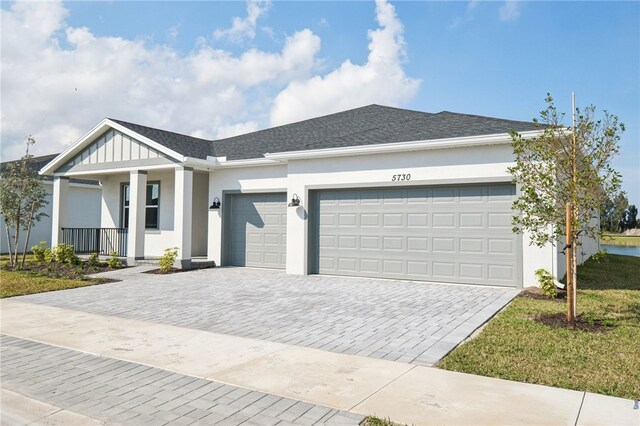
444	166
84	211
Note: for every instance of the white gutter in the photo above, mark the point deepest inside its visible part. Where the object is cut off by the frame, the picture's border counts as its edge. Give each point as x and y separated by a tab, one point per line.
495	139
222	162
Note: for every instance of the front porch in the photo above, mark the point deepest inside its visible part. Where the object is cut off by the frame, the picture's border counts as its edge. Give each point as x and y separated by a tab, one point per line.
143	213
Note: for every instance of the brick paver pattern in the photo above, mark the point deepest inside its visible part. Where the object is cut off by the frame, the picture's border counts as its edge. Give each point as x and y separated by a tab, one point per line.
412	322
119	392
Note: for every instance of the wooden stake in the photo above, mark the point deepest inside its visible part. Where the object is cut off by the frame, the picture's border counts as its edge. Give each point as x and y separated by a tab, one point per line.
569	254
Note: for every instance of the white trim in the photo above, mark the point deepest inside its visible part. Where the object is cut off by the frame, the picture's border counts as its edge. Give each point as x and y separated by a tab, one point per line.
97	186
251	162
100	128
116	170
198	163
495	139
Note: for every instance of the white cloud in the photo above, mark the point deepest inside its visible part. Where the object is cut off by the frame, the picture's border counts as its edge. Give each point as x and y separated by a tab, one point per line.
245	27
58	81
509	11
380	80
229	130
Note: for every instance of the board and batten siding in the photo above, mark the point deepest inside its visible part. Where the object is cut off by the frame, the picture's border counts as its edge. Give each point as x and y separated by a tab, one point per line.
114	147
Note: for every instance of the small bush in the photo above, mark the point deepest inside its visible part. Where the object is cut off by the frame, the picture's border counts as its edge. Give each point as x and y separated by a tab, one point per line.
547	286
39	251
63	253
114	261
49	256
601	256
168	259
93	261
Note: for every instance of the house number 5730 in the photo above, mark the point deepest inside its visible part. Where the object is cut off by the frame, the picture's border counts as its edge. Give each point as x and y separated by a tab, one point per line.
401	177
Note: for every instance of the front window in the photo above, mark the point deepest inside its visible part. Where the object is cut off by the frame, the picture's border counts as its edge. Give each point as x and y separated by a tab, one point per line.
151	215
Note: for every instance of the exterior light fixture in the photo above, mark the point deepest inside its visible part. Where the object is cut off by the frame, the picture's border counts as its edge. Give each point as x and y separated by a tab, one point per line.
215	205
295	201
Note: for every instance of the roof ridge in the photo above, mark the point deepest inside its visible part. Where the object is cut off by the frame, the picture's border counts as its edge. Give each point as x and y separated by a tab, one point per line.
312	119
482	116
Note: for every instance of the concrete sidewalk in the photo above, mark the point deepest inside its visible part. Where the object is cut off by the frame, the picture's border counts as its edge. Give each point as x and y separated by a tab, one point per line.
16	409
403	392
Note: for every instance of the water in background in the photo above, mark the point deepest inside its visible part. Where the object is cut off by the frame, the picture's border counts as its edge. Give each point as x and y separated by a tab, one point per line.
623	250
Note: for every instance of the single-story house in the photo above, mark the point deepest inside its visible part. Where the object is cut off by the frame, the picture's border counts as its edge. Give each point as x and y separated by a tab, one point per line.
84	207
373	191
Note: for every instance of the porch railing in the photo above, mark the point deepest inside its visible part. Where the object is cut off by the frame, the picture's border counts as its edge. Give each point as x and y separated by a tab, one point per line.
96	240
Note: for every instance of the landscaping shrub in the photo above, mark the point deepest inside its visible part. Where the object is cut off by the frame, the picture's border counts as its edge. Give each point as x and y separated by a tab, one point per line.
168	259
547	286
39	251
114	261
93	261
64	253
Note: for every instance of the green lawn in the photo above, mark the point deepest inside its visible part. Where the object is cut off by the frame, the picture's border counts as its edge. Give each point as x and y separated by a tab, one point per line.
620	240
19	284
515	346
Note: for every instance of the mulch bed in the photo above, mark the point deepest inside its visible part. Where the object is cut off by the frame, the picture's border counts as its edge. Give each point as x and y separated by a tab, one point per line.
559	320
65	270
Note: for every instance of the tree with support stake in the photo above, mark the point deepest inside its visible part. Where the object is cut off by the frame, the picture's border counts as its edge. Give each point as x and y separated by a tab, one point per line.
565	176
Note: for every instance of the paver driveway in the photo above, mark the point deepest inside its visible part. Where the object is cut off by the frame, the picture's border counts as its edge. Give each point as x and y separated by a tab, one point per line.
403	321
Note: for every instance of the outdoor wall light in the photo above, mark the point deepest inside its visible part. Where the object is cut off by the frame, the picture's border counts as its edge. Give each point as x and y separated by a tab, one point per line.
216	204
295	201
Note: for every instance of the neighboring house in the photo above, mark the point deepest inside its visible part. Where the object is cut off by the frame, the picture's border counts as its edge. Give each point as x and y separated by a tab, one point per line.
374	191
84	207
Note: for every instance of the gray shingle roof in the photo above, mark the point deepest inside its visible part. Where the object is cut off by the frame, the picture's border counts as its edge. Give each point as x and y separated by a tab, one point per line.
182	144
37	163
369	125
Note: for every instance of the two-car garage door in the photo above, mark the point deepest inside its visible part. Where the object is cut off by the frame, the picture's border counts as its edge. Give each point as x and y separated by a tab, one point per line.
460	234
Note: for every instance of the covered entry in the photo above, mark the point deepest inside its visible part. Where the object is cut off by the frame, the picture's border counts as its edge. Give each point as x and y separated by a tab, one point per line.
459	234
256	230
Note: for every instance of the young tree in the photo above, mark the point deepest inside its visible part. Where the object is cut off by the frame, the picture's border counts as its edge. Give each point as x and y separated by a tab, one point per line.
21	199
565	175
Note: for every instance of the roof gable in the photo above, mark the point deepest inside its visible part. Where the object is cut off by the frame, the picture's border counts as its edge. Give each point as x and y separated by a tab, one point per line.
111	147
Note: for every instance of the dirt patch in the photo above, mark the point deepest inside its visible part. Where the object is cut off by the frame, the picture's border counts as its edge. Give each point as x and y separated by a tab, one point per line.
535	293
559	320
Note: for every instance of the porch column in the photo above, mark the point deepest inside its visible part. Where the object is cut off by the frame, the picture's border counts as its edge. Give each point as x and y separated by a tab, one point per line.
182	215
137	210
60	203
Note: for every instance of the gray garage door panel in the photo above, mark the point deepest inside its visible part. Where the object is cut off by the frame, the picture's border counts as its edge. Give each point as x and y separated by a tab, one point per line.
451	233
257	230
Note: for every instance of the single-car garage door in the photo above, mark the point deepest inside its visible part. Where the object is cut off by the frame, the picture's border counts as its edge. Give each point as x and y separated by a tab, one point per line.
257	230
460	234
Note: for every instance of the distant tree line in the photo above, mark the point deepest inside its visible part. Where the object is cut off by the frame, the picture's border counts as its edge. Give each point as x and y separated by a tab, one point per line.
617	215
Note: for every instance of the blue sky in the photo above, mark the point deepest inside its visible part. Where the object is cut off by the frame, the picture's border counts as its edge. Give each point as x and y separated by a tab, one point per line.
183	66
